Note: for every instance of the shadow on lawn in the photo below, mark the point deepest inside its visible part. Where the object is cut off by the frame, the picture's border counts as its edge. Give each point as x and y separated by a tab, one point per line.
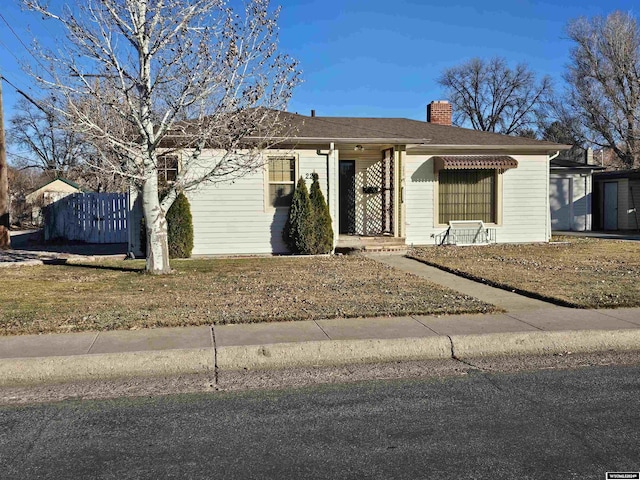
96	266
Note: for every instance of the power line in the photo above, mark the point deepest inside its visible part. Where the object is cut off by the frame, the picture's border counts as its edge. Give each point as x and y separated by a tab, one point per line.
11	52
31	100
21	42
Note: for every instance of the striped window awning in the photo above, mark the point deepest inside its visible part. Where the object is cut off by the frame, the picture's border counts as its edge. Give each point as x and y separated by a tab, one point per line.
474	162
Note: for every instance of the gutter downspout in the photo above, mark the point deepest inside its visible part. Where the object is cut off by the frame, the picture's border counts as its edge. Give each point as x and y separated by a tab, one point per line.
548	225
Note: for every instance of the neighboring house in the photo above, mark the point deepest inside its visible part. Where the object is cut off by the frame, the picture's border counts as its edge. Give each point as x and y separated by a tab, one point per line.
571	190
616	200
50	192
387	178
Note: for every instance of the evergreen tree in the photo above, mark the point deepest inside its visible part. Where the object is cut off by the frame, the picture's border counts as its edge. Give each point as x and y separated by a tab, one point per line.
180	228
298	231
322	229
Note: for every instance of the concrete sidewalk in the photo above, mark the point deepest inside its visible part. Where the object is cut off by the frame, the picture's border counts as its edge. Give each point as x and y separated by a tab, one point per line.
529	326
33	359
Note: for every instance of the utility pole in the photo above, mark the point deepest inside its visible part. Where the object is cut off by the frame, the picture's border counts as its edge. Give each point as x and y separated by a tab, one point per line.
5	239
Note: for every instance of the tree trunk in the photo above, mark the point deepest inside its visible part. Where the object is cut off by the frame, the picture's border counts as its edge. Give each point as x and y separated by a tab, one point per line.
5	239
156	226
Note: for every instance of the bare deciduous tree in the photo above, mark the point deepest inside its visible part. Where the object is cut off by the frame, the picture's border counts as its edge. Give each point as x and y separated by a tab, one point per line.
45	144
21	183
490	96
181	75
604	82
50	147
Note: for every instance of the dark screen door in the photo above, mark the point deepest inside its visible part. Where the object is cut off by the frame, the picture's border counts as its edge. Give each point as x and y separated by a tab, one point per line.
347	196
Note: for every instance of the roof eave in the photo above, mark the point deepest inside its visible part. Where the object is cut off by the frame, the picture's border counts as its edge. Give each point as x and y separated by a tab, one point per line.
416	144
578	167
429	148
316	140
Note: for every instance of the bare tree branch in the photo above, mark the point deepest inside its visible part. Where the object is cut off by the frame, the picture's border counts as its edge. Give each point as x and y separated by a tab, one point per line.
176	74
490	96
604	82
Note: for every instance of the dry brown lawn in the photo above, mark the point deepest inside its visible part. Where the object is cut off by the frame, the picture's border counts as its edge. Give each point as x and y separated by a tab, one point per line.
580	272
117	295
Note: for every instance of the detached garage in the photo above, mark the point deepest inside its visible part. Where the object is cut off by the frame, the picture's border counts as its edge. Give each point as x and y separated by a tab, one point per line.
570	195
616	198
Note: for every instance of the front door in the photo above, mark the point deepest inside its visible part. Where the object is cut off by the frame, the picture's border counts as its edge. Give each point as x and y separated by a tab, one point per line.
611	205
347	186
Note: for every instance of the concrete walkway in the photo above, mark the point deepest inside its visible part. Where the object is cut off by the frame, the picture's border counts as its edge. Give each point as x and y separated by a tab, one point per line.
509	301
527	327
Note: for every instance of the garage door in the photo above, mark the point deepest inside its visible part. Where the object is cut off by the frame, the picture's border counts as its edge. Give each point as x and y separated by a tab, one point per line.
560	202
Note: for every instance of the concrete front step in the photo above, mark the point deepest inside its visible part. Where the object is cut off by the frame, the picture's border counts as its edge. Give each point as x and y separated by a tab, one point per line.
362	241
351	244
385	251
373	248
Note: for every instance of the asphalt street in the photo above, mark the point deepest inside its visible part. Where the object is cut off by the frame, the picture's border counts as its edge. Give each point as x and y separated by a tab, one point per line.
577	423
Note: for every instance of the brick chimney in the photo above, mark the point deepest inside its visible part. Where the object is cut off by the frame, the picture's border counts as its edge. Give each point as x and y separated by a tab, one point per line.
439	112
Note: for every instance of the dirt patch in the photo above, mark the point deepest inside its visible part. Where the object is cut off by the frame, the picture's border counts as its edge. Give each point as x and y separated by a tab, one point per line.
111	295
581	272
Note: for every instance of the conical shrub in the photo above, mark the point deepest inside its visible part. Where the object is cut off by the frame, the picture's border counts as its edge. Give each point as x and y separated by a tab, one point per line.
322	228
180	228
298	230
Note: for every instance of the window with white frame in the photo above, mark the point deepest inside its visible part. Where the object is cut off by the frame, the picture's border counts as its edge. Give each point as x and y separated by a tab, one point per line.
167	168
281	181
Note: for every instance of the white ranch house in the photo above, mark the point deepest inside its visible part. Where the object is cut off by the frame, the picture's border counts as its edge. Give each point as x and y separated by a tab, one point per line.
393	180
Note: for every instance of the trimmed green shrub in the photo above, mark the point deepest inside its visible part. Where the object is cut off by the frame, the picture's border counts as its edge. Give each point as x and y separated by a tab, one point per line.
322	229
298	231
180	228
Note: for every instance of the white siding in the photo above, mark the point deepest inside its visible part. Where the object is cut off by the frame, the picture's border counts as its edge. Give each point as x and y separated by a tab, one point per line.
231	218
575	213
582	198
419	199
525	192
524	201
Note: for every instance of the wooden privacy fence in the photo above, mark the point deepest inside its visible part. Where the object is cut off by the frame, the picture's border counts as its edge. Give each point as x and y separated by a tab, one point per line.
87	217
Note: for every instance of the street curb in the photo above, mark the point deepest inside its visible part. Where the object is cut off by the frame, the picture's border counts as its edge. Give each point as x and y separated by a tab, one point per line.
331	352
541	343
42	370
60	369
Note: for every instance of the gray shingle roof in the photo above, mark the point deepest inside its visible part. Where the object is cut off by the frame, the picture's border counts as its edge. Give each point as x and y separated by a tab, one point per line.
630	174
337	128
563	163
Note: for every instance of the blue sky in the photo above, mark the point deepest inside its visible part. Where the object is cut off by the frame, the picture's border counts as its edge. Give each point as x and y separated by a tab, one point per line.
376	57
